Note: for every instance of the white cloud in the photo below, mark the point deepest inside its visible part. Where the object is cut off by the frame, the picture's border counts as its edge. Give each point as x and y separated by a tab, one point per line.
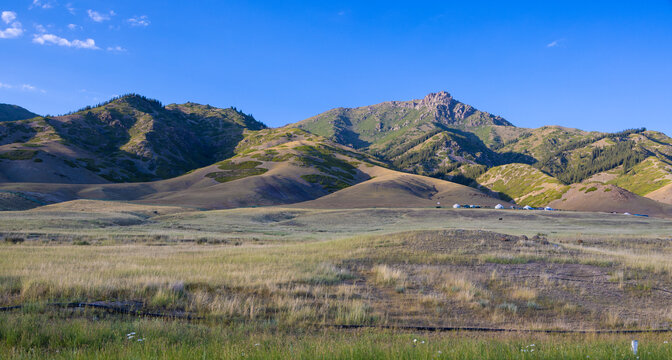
554	43
70	8
116	49
40	28
98	17
28	87
46	39
8	16
44	4
15	28
139	21
74	27
22	87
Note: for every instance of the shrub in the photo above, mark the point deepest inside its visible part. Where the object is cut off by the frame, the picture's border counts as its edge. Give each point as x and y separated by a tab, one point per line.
508	307
14	240
18	155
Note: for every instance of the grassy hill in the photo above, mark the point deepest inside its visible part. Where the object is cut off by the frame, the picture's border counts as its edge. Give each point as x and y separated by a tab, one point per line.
272	167
128	139
175	152
440	137
10	112
418	135
595	196
523	184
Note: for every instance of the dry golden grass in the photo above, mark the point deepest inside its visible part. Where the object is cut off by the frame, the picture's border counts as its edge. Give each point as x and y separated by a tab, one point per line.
385	275
523	293
296	275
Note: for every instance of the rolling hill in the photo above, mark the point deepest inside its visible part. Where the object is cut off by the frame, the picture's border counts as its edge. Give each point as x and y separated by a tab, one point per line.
393	189
270	167
397	153
609	198
522	183
128	139
440	137
10	112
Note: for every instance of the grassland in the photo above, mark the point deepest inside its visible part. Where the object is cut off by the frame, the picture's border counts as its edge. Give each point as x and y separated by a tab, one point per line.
271	282
524	184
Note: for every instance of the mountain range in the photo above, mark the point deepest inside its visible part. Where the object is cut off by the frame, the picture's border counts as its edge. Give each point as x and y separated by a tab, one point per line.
397	153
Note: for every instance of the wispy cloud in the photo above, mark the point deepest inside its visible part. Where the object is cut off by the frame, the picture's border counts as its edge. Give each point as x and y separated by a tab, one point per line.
99	17
139	21
22	87
15	28
71	9
46	39
554	43
43	4
116	49
74	27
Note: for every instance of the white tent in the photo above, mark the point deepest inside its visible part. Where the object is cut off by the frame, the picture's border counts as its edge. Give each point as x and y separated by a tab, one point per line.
499	206
528	207
457	206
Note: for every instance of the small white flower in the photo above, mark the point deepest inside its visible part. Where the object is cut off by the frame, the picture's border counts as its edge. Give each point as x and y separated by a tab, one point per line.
422	342
256	344
415	340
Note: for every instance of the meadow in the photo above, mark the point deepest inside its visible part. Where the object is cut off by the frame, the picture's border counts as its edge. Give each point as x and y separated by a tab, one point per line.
277	282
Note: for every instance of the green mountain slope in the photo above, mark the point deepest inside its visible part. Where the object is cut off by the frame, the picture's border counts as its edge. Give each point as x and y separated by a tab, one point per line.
130	138
443	138
524	184
377	126
10	112
213	157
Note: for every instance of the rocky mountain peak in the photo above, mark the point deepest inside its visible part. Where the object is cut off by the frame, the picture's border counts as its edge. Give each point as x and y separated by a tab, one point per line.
433	100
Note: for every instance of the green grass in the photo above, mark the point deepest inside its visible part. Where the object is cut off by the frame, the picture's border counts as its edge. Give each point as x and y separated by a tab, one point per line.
245	165
270	275
272	155
36	335
645	177
524	184
18	154
234	171
329	183
323	158
226	176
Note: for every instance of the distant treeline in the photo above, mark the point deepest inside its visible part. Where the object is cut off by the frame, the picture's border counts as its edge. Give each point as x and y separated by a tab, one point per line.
130	95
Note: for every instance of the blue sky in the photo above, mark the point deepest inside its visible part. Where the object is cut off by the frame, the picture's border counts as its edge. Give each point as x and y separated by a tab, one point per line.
595	65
